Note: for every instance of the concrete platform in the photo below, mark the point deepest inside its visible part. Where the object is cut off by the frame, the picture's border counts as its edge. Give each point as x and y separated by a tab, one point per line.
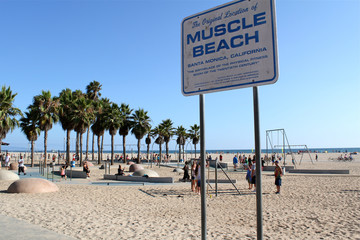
272	168
212	163
319	171
14	229
72	174
139	179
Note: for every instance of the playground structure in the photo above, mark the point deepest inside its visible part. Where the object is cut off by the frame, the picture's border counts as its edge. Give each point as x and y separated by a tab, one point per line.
281	142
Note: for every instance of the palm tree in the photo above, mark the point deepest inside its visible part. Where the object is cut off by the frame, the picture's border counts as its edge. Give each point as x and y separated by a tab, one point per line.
98	128
93	90
8	112
66	99
167	126
77	95
194	134
46	107
93	93
113	121
141	126
148	142
83	113
29	126
125	126
181	133
159	132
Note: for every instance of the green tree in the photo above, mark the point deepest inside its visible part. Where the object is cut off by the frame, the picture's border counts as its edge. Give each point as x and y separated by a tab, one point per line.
158	132
66	111
182	135
93	93
8	112
168	132
125	126
113	120
29	127
194	134
99	126
46	107
83	113
148	142
141	126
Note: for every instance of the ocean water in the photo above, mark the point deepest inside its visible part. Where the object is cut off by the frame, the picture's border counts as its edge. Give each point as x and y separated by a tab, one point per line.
218	151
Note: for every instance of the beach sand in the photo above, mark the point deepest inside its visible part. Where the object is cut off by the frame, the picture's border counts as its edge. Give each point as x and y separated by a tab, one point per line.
309	206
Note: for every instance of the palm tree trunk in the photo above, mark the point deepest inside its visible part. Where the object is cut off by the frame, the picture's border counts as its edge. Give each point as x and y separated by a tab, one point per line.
167	149
77	143
32	153
99	152
45	146
184	152
68	147
81	137
124	148
180	152
87	143
148	151
195	149
112	149
102	146
93	145
160	154
138	145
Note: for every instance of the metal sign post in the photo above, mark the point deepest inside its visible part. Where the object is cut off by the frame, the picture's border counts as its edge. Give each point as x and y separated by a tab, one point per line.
202	168
230	46
259	217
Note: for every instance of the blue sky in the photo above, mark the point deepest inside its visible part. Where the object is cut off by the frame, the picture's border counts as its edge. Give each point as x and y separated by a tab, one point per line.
133	48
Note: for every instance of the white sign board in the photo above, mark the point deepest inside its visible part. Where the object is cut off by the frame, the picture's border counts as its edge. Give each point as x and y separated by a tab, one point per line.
228	47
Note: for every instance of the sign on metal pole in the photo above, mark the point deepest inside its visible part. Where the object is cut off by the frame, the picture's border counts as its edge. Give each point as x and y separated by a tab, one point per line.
228	47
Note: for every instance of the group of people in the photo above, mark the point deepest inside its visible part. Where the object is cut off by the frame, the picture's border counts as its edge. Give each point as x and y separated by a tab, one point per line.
246	161
21	163
251	175
195	176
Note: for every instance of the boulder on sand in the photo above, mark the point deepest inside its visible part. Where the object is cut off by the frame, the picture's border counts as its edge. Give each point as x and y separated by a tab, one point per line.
146	172
8	175
135	167
32	185
13	166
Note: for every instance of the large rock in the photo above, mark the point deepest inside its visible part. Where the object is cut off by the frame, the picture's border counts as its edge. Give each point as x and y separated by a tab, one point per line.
146	172
13	166
135	167
8	175
32	185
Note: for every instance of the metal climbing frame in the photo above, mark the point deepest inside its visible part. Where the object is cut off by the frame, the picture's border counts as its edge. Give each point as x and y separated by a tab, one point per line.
285	143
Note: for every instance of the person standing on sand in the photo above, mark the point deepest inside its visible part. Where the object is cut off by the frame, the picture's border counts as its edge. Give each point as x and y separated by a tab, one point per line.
7	160
253	174
248	176
278	173
193	176
21	167
62	172
198	179
86	169
235	162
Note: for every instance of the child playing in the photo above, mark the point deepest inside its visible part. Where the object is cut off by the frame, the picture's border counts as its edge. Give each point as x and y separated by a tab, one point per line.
248	175
62	172
278	173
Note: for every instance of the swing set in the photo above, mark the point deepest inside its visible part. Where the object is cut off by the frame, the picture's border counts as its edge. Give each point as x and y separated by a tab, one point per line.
282	143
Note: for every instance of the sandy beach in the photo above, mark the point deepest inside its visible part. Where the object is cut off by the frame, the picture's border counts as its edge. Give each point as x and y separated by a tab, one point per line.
310	206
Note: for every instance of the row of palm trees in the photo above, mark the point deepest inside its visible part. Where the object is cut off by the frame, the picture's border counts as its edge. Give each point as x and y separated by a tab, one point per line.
83	112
